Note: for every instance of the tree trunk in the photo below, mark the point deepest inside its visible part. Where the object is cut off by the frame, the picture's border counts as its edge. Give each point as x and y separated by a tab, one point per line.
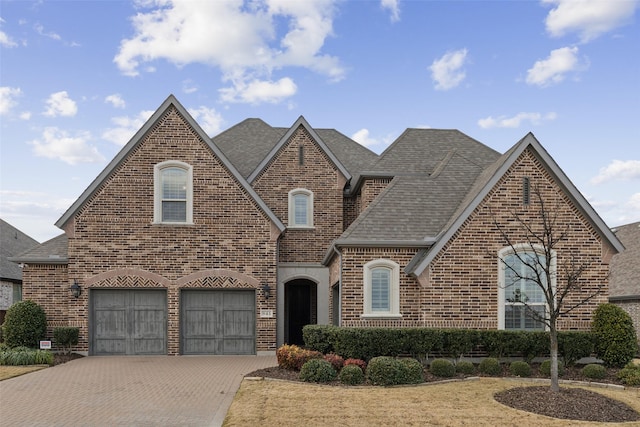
553	334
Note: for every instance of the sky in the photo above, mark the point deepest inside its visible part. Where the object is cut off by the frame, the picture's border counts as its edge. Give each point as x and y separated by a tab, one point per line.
79	78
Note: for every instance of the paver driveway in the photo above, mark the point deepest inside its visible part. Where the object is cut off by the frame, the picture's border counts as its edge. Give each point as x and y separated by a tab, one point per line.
128	391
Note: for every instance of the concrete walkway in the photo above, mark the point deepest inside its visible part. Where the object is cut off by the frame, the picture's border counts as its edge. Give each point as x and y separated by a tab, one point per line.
128	391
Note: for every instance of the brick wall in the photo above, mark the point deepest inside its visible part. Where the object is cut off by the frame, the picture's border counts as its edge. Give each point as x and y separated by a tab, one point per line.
114	230
317	174
463	278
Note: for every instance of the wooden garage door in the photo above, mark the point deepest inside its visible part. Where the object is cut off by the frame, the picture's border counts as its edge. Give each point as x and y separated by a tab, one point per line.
127	321
218	322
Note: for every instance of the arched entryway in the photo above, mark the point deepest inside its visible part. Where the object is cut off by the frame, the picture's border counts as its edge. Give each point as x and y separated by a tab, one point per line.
300	308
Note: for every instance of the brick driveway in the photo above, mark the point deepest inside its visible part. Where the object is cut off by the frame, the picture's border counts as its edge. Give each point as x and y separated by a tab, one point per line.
128	391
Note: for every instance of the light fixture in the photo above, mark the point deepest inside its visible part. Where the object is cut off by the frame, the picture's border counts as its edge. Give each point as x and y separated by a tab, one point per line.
75	289
266	289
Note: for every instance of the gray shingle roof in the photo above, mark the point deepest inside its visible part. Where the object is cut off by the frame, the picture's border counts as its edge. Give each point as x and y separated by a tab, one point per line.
12	242
54	251
625	266
434	170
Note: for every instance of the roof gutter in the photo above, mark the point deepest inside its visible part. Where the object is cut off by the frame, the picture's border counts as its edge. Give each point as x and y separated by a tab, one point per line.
47	260
351	243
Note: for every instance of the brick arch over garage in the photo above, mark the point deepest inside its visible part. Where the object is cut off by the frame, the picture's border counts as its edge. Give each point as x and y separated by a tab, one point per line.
218	278
128	277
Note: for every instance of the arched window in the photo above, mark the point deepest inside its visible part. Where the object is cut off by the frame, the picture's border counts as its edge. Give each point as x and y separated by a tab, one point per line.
381	289
300	208
520	297
173	193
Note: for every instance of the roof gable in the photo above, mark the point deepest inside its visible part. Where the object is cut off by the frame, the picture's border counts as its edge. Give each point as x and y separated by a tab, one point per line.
285	138
12	242
170	102
625	266
486	183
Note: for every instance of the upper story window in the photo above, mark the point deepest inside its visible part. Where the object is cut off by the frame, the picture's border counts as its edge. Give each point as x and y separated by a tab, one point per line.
520	296
381	289
300	208
173	202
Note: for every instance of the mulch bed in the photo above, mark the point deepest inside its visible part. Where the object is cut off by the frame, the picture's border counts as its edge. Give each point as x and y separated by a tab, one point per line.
59	358
570	403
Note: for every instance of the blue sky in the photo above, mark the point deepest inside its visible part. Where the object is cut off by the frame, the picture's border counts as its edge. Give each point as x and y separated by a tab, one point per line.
79	78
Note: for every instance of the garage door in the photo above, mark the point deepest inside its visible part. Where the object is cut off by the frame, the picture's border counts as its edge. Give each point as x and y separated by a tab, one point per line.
218	322
127	321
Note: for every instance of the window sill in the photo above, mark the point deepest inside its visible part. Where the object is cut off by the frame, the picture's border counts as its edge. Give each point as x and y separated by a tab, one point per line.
381	316
173	224
300	227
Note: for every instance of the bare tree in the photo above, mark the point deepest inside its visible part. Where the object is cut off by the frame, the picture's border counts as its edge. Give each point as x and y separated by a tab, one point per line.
534	279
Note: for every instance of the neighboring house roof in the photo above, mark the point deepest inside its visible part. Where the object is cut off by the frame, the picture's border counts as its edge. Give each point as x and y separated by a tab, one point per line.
139	136
489	179
285	138
12	242
624	282
53	251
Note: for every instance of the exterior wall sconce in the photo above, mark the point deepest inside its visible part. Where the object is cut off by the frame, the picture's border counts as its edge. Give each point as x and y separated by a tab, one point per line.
75	289
267	290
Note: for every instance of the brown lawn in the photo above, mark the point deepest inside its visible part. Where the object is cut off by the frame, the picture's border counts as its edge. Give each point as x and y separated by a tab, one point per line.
14	371
466	403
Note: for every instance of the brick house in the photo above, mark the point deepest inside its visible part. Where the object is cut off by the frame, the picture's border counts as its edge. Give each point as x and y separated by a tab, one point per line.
625	273
186	244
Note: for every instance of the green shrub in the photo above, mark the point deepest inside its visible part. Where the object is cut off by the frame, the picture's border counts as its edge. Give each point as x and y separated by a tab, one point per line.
66	337
336	361
545	368
465	367
520	368
630	374
615	338
413	372
293	357
25	356
458	342
25	324
442	368
319	337
351	375
574	345
384	370
490	366
593	371
421	342
358	362
317	371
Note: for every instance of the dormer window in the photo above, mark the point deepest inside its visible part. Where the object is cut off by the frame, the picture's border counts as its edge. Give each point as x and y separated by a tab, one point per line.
300	208
173	202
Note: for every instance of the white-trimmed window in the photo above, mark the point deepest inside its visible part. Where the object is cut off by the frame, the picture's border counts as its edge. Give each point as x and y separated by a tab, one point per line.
173	193
300	208
519	295
381	289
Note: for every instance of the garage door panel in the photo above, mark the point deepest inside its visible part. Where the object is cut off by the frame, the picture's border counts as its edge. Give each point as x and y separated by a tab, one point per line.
127	321
218	322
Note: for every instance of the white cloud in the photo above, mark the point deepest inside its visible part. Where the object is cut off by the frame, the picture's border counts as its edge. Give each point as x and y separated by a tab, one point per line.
588	18
6	41
256	91
238	37
8	97
40	30
634	202
515	121
59	104
554	68
447	71
58	144
188	86
25	115
362	137
115	100
125	127
618	170
208	119
394	8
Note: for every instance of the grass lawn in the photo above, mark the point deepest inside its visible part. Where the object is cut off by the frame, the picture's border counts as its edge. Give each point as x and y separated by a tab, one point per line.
466	403
14	371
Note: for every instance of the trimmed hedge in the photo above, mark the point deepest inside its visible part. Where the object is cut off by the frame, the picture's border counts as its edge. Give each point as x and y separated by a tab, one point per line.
293	357
351	375
66	337
421	343
465	367
593	371
25	324
520	368
442	368
545	368
386	371
317	371
615	338
490	366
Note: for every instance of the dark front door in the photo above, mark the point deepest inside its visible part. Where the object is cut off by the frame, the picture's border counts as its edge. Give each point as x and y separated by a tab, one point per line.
300	302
